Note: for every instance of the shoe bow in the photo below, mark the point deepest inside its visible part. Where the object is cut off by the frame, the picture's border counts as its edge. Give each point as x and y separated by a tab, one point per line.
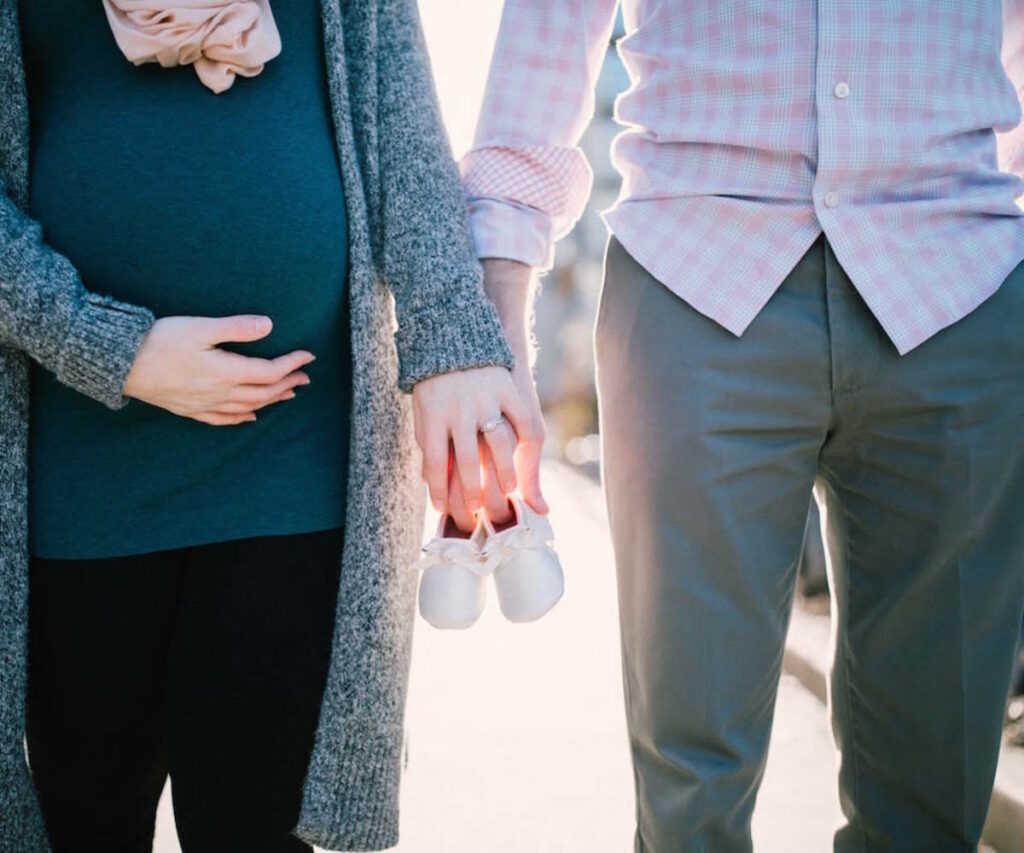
523	537
457	551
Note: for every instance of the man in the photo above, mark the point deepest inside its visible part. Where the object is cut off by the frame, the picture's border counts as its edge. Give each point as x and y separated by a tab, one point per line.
812	282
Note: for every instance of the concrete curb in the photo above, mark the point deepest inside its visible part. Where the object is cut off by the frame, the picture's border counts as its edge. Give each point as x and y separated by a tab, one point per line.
806	658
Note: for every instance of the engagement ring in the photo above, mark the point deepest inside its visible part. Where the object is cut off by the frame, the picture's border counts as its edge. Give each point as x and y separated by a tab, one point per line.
492	425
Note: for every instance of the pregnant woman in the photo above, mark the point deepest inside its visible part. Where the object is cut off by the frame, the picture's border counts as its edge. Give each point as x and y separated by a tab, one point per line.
204	532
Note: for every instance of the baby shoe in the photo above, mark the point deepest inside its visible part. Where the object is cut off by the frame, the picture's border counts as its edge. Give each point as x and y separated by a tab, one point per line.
452	590
527	574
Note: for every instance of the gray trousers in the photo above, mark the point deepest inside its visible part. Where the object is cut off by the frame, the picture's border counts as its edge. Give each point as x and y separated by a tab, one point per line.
712	445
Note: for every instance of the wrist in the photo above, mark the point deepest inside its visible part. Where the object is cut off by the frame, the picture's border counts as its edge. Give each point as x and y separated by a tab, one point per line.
510	286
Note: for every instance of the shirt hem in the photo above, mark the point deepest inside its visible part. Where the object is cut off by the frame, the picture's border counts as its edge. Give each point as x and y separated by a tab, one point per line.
176	543
737	319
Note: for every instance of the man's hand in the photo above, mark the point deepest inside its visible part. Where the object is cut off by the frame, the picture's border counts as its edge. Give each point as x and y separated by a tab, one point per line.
508	284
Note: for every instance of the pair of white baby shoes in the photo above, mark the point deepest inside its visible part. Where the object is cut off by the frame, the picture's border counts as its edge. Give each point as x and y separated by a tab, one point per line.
527	574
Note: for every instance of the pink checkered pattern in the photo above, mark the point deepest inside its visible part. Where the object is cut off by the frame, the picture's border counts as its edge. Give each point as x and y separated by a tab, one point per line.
750	128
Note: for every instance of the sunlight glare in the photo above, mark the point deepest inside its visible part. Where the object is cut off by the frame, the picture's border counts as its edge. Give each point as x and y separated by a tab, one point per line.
460	36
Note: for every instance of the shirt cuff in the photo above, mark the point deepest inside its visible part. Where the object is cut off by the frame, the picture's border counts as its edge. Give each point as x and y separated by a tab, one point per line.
515	232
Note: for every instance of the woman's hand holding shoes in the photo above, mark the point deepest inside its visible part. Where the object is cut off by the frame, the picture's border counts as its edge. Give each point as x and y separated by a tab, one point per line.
466	468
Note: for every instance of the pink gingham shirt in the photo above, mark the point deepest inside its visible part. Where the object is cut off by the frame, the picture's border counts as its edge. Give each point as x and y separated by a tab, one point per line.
753	126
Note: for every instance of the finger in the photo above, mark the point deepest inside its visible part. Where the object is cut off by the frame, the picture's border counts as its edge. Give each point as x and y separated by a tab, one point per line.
457	509
238	327
495	499
501	443
435	465
247	369
221	419
280	398
259	395
518	414
530	434
467	457
233	407
528	457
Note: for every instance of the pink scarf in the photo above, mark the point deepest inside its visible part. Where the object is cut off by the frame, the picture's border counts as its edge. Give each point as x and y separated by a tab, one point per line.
221	38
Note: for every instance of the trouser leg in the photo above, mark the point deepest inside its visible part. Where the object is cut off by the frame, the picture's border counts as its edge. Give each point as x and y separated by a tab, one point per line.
923	486
95	723
710	450
248	666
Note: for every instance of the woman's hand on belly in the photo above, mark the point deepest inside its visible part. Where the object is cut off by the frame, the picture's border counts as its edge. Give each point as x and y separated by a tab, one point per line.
180	368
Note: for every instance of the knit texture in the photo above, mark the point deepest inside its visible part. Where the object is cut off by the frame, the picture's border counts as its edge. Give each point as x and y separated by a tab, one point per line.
412	267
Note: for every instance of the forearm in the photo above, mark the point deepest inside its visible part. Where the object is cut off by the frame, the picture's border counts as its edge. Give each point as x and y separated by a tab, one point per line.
87	340
511	286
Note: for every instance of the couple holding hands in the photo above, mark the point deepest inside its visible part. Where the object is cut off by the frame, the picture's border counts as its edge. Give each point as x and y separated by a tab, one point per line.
230	308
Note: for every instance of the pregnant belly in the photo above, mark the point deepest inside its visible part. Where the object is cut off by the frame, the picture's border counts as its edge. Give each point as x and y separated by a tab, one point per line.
258	229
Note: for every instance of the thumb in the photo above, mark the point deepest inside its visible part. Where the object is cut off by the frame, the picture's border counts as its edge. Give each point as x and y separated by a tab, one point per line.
238	327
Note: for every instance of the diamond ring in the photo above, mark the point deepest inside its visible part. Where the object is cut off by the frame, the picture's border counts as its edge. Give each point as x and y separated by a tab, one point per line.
493	424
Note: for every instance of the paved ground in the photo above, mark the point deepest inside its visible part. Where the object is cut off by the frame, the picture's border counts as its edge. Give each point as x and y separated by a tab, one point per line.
516	733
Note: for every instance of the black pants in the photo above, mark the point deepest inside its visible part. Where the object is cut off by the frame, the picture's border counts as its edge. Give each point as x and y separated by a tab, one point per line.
207	663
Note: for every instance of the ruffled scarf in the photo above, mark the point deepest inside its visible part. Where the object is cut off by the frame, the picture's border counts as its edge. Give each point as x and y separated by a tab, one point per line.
219	38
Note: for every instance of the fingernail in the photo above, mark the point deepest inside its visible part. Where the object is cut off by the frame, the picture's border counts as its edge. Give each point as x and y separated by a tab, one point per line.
291	396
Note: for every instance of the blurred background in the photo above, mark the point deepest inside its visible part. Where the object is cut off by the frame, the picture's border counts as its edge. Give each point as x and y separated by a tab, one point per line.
516	734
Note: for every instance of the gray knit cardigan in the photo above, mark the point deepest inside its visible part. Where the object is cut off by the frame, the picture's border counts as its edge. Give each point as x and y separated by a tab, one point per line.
411	259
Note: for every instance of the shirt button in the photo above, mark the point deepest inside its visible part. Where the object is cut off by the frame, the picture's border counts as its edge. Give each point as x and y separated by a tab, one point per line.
831	199
841	90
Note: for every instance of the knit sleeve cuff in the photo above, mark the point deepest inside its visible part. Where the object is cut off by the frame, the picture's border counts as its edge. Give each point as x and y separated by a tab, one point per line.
352	803
99	350
21	819
459	333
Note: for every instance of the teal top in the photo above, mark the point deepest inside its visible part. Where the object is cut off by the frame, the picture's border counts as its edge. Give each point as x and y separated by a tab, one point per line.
169	196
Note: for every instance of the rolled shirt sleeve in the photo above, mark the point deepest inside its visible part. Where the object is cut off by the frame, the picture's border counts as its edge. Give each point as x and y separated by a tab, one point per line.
526	179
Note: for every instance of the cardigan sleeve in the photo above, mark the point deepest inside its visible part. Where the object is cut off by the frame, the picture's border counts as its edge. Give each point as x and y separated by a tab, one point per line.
445	320
87	339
